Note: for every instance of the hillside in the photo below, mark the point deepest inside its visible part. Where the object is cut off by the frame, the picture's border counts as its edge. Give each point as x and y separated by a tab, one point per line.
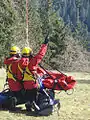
74	11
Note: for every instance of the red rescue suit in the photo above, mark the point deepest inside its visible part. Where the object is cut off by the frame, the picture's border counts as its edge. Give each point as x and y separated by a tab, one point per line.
15	74
8	61
29	81
40	71
22	63
14	85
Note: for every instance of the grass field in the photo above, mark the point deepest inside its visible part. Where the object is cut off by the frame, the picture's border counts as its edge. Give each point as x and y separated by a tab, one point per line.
73	107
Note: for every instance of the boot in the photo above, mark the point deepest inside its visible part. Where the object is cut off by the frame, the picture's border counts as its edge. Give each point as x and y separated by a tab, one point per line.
13	102
28	106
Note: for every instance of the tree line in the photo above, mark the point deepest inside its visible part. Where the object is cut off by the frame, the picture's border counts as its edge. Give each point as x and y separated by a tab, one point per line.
65	50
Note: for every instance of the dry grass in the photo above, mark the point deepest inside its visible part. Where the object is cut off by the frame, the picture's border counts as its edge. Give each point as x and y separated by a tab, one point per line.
73	107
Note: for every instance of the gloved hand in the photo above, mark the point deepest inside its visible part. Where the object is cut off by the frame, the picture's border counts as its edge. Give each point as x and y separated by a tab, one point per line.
46	40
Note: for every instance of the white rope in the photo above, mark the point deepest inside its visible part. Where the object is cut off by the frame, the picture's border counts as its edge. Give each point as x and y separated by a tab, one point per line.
27	42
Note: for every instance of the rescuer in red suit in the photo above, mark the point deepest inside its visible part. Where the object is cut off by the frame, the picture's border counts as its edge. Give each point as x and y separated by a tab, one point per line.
23	62
30	83
14	55
15	74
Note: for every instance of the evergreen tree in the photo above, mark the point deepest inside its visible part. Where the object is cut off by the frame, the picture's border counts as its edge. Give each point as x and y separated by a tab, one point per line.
7	19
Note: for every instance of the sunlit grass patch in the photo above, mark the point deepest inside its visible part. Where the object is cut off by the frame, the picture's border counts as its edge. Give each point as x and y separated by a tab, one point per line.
73	107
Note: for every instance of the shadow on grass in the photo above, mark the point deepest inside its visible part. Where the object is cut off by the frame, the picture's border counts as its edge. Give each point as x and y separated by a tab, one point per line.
83	81
23	111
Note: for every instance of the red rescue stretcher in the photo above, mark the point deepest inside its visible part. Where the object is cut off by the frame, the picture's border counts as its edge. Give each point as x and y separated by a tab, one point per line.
58	81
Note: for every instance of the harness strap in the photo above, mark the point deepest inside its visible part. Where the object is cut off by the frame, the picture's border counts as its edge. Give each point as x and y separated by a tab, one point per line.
22	71
10	71
14	76
20	68
27	71
56	83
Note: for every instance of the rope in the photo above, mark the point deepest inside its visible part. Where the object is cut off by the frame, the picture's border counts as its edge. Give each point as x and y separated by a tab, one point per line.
27	42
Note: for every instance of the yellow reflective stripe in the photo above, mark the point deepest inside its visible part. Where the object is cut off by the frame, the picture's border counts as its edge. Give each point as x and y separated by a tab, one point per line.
9	73
21	70
28	71
28	75
10	67
10	76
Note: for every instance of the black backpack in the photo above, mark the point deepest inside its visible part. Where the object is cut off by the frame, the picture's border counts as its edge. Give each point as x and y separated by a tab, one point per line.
45	103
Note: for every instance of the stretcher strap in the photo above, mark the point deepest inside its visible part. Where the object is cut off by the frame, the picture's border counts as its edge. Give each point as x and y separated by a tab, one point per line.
56	83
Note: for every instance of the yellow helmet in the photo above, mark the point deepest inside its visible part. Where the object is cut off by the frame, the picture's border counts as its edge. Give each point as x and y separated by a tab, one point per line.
26	51
30	50
14	50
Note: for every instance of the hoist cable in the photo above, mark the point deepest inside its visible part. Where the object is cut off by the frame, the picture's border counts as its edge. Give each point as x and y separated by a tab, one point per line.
27	42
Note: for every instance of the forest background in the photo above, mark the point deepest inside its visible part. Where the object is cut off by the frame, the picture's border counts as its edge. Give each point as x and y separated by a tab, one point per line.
66	21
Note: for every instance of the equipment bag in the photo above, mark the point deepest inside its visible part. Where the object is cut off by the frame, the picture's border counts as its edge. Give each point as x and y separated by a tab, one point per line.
46	103
6	101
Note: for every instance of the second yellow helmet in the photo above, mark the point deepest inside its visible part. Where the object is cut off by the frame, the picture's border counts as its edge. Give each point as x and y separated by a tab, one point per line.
26	51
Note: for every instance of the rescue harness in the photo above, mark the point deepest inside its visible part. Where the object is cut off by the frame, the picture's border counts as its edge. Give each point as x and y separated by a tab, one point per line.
25	72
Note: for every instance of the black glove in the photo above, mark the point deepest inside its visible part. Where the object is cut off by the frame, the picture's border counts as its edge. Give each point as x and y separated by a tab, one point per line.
46	40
